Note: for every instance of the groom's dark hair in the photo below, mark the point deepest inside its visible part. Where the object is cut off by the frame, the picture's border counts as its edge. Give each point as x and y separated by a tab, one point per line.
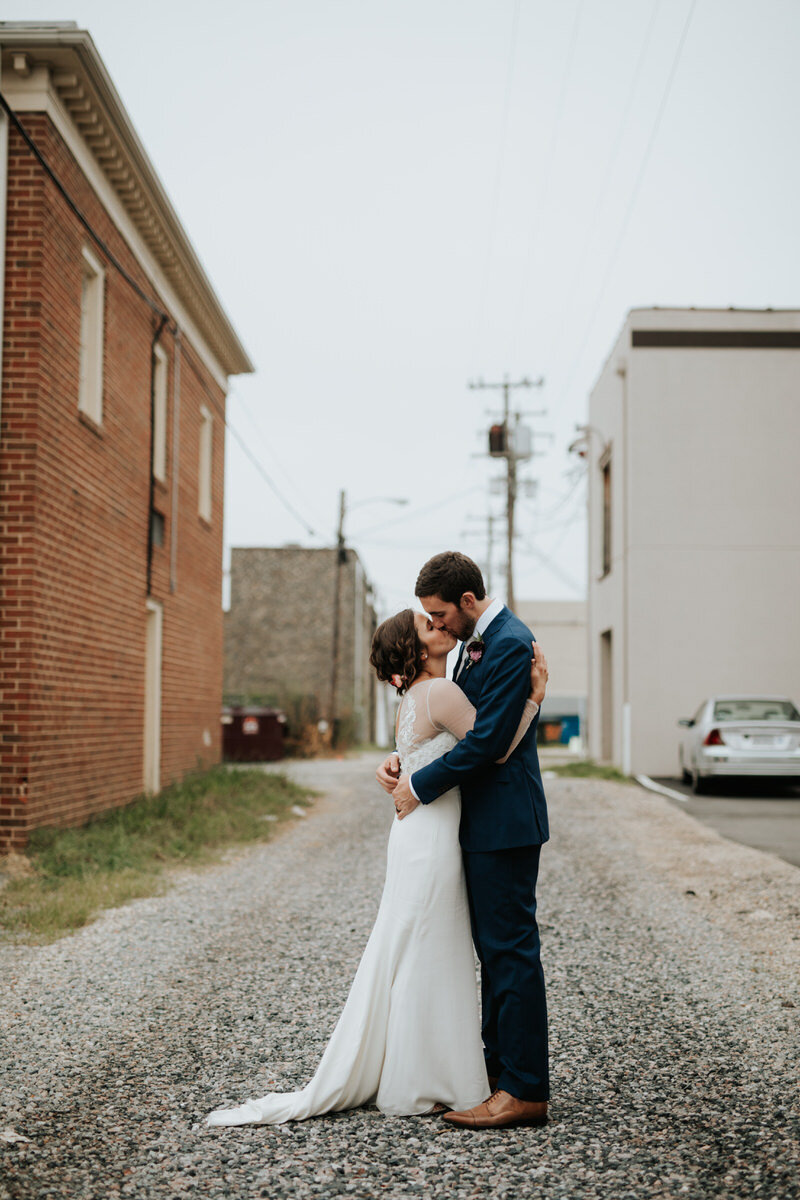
448	575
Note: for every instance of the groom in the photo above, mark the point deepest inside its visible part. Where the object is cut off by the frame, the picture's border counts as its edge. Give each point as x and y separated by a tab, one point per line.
503	827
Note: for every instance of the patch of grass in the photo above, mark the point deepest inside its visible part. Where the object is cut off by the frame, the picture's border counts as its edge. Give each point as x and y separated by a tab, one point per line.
120	855
587	768
41	909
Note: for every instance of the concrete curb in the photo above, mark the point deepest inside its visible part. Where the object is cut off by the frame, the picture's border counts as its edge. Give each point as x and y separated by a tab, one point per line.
646	782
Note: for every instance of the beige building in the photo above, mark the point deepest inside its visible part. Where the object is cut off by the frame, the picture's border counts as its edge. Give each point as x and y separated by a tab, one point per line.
560	626
279	634
694	499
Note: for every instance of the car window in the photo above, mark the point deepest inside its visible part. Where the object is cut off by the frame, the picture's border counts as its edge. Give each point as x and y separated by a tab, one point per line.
698	715
755	709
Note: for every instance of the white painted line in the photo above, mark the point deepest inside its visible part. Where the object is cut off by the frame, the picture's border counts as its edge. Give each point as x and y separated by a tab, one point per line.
651	786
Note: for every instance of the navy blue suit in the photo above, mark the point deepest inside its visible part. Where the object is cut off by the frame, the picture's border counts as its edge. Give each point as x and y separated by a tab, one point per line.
503	827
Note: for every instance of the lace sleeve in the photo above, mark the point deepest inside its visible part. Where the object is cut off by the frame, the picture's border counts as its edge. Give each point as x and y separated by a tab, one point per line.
528	713
449	708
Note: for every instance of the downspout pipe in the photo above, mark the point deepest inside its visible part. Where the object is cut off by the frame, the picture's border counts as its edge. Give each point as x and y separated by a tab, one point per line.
625	711
157	332
176	446
3	205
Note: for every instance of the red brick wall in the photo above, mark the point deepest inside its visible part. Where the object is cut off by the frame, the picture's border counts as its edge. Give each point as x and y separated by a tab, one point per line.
74	525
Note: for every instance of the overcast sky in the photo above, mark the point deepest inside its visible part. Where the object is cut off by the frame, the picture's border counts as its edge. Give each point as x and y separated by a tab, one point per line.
394	197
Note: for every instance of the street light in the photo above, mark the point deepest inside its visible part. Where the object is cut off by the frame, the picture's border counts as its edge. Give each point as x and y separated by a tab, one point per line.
582	444
341	559
378	500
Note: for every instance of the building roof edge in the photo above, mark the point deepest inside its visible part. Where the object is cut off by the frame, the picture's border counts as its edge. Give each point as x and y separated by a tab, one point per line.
164	227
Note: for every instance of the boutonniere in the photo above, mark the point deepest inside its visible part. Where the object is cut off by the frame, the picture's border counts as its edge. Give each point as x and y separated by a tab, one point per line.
475	650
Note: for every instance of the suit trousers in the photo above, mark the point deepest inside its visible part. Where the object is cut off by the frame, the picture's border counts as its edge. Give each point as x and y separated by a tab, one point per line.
502	898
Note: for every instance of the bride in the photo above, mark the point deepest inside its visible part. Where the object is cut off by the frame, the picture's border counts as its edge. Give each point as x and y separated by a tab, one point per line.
408	1038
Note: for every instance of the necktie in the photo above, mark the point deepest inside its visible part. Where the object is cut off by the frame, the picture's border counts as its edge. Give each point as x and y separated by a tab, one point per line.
464	658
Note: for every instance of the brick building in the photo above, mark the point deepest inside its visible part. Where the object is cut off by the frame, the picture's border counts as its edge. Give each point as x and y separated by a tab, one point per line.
116	354
279	632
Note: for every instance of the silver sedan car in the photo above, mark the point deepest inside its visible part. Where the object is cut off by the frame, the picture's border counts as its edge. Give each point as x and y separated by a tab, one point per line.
740	735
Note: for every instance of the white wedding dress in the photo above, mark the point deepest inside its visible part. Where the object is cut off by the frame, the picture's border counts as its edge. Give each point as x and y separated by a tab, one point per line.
409	1033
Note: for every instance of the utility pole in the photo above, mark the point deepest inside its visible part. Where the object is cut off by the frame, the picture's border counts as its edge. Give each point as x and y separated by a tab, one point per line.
508	447
340	563
489	550
341	559
491	520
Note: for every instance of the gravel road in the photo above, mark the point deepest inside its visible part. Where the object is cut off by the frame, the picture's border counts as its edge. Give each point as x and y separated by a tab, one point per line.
672	963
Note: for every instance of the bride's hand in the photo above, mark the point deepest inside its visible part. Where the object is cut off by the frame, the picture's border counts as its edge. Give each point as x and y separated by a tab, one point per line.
404	799
388	773
539	674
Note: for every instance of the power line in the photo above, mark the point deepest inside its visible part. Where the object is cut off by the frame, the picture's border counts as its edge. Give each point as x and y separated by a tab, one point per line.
495	205
600	192
418	512
562	528
77	212
270	482
237	396
563	500
565	526
152	304
632	200
546	176
416	544
556	570
574	518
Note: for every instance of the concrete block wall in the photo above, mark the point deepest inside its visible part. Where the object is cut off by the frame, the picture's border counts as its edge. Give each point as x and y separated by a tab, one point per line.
279	630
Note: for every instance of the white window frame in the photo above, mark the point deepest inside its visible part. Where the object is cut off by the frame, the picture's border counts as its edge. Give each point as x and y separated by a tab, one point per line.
90	379
160	387
205	464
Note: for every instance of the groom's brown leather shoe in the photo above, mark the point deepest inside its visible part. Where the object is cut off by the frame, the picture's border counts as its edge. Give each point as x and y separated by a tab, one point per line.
500	1111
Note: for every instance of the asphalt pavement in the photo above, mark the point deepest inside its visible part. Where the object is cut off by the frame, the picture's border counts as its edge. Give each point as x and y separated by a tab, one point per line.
754	812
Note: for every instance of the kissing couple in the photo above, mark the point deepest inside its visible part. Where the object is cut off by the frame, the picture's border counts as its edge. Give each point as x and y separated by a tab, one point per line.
463	858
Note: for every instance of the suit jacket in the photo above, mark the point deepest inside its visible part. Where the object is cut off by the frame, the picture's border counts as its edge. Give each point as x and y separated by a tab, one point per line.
502	804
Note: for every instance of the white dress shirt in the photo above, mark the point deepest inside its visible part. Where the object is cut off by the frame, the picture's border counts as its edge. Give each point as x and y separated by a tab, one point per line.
481	625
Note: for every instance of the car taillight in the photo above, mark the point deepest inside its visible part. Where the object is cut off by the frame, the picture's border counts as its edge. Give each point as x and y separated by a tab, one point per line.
714	739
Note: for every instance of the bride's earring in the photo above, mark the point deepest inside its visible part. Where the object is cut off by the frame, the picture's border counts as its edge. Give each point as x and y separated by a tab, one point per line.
424	657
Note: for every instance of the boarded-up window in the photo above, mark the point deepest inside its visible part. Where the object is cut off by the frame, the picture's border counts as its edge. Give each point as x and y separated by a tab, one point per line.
606	469
204	480
90	383
160	373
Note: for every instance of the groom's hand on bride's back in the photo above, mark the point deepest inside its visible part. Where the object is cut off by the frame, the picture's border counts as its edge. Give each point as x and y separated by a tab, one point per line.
388	773
539	674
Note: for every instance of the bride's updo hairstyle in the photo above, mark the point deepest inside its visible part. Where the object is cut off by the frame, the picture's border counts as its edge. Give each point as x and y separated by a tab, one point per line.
396	652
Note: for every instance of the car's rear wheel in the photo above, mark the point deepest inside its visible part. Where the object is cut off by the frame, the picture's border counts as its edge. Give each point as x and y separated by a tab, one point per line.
702	785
